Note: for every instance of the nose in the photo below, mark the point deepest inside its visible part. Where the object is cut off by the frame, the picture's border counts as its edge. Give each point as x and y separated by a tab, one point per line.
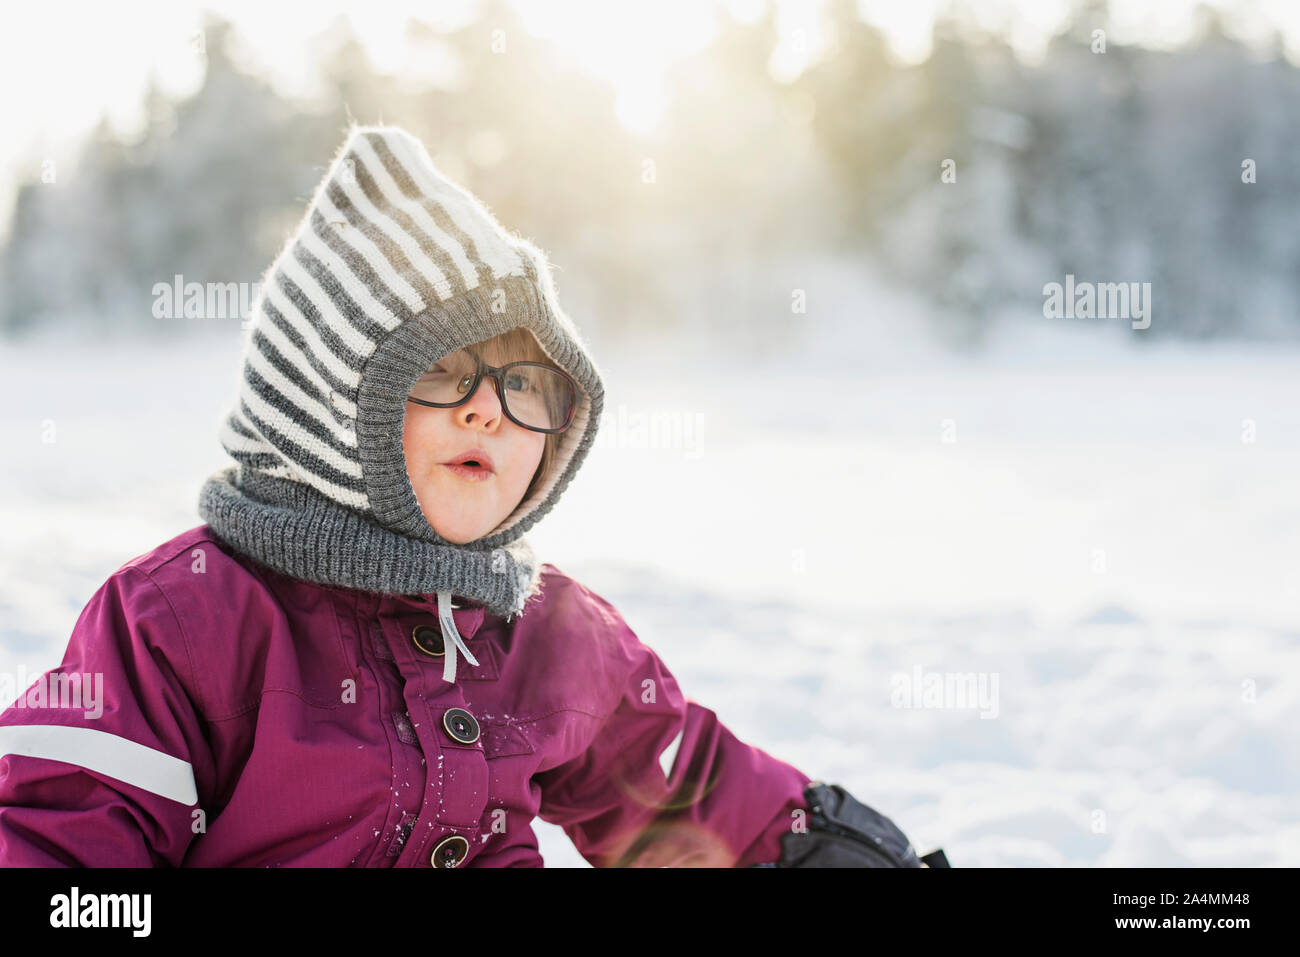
483	410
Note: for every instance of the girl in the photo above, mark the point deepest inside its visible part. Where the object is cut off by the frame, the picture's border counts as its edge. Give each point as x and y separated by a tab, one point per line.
357	660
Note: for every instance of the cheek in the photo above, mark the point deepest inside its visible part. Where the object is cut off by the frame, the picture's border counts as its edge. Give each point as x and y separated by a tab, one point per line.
418	431
525	457
535	456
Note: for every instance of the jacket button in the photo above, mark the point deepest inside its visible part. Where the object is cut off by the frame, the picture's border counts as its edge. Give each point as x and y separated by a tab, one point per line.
429	640
450	851
461	725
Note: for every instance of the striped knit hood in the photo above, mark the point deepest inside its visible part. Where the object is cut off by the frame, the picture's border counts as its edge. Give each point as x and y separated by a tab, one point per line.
392	267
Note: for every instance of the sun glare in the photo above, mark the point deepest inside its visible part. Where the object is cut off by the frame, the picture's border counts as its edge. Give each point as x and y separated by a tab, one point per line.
632	46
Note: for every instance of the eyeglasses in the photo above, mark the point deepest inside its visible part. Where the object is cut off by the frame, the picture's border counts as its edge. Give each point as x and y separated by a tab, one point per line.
537	397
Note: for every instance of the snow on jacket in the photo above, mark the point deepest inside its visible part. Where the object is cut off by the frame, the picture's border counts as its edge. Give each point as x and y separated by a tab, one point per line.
255	719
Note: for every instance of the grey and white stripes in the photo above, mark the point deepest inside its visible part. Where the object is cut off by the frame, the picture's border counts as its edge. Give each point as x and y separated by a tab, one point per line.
392	267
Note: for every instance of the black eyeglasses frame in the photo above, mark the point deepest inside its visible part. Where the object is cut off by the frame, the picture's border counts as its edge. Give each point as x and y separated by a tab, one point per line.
482	369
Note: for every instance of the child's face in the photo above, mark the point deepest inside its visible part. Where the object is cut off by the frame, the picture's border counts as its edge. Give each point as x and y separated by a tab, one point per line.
459	508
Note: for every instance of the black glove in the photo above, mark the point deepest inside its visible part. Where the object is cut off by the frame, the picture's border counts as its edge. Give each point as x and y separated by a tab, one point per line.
844	832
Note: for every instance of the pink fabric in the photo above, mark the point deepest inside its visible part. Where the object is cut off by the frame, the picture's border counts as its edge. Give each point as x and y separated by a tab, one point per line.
313	727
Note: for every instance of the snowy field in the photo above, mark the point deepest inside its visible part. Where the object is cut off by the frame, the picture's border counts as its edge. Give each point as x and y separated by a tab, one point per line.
1104	538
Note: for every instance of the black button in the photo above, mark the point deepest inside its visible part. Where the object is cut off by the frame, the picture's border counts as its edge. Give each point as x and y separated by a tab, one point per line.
429	640
461	725
450	851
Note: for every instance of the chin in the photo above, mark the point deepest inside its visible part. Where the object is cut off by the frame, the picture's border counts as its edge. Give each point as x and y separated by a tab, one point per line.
459	536
453	535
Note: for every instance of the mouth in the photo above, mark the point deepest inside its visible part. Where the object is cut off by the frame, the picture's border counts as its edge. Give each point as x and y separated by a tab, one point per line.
474	464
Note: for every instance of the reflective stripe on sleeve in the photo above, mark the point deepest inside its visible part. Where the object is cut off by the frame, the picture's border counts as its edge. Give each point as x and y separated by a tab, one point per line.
109	754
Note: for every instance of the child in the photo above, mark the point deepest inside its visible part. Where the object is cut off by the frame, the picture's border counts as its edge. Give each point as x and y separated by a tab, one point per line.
357	660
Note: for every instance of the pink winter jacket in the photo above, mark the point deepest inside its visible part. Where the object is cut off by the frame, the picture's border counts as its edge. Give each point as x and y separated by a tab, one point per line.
253	719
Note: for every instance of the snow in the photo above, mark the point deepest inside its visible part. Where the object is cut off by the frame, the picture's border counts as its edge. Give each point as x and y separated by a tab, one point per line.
1088	524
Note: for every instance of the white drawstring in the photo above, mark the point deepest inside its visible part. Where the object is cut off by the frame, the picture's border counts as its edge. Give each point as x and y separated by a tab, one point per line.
449	631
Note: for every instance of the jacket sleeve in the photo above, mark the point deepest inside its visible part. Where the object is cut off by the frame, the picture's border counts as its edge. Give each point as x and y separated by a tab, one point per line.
664	783
98	757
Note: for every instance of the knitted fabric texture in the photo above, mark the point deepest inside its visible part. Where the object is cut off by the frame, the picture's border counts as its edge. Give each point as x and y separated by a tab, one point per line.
393	267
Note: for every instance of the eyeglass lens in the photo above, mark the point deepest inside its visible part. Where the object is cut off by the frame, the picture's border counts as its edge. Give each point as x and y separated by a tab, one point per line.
535	394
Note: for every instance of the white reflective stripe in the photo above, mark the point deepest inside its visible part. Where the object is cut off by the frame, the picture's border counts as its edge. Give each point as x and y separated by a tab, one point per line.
669	756
110	754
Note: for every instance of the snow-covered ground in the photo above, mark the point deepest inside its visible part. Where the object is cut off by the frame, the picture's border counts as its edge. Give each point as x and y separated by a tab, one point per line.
1103	539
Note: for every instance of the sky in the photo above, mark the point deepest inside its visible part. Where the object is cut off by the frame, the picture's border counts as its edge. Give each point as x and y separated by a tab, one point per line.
64	64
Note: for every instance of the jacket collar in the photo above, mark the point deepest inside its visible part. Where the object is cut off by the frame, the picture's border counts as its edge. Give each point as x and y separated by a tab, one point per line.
458	618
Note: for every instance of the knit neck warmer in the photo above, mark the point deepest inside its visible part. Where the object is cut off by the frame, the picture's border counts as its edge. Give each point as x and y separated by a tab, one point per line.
392	267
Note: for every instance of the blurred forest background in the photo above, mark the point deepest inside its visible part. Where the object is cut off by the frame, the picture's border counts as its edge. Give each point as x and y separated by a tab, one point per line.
1080	164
